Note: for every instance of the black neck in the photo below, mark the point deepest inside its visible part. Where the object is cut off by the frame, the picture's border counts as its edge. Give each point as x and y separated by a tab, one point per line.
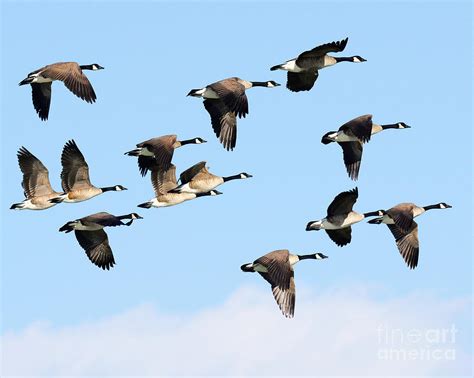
305	257
234	177
259	83
390	126
371	214
127	216
429	207
87	67
108	189
187	141
343	59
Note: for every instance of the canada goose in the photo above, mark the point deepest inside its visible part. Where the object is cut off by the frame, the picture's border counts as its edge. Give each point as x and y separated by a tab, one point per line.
158	152
198	179
93	239
36	185
303	70
352	135
340	217
163	182
276	268
399	220
75	177
68	72
224	100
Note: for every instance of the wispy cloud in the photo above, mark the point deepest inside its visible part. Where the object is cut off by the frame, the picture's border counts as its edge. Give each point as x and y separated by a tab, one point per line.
339	332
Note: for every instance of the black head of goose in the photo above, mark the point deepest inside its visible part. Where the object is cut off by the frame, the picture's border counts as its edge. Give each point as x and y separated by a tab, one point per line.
225	100
352	135
197	179
157	153
75	179
340	217
36	186
163	183
70	73
399	220
93	239
276	268
303	70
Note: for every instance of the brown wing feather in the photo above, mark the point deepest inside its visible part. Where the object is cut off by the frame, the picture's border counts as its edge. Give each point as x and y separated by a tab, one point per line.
343	202
163	181
96	245
41	96
361	127
321	50
191	172
224	122
301	81
407	243
75	172
232	93
73	78
35	175
341	236
352	154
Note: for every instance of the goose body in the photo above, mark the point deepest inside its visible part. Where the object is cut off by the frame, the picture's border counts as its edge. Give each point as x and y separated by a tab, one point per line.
157	153
399	220
68	72
93	239
225	100
163	183
352	135
304	70
276	268
197	179
340	217
75	179
36	185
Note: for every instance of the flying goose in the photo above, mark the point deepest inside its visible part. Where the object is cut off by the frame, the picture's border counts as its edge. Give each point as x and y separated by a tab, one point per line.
163	182
224	100
399	220
75	177
36	185
277	269
352	135
68	72
340	217
93	239
198	179
303	70
158	152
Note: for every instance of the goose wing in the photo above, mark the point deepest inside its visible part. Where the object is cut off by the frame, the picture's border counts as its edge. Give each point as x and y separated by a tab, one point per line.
343	202
35	175
360	127
407	243
352	154
73	78
224	122
187	175
280	275
301	81
164	180
75	172
41	95
96	245
306	57
103	218
402	215
232	94
341	236
162	149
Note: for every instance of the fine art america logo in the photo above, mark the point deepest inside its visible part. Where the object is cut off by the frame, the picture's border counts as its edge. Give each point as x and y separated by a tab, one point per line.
398	344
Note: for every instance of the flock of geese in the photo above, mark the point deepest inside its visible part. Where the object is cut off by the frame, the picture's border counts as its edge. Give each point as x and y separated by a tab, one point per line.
225	101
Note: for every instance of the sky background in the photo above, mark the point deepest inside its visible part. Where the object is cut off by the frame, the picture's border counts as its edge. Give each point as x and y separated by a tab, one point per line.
177	302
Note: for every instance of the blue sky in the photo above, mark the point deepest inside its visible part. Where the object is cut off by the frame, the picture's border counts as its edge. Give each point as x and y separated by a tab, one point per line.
183	262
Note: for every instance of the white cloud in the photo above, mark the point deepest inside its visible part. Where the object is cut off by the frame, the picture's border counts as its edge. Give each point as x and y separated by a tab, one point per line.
338	332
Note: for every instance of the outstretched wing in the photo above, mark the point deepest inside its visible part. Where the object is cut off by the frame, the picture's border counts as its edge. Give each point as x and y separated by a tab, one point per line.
96	245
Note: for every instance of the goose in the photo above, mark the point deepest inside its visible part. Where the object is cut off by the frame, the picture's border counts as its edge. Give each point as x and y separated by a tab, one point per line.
93	239
75	177
198	179
352	135
340	217
163	182
158	152
276	268
224	100
36	185
68	72
399	220
304	70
